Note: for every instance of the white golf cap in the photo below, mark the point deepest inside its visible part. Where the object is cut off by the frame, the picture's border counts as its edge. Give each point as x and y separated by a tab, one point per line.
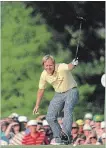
32	122
104	135
88	116
87	127
22	119
103	124
45	123
13	115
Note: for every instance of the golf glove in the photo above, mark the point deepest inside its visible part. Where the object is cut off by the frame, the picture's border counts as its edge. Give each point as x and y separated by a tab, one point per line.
75	62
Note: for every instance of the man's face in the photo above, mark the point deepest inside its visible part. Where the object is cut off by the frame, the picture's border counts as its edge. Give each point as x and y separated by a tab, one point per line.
49	66
33	128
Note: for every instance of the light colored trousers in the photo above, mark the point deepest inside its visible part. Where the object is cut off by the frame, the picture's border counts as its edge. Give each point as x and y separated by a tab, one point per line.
61	101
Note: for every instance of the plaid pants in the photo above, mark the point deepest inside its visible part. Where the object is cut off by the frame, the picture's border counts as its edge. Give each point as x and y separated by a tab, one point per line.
61	101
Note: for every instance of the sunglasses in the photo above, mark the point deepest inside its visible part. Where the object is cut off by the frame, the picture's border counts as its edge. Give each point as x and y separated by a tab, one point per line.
74	127
93	138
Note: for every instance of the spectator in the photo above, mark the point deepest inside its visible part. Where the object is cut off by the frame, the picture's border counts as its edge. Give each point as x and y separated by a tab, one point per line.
103	126
74	132
92	139
13	116
40	126
80	123
103	138
4	126
12	129
87	131
23	122
98	119
80	140
17	139
34	137
88	118
92	124
48	131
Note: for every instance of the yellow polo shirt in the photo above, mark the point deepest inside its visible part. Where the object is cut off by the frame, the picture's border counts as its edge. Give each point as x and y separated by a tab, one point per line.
61	80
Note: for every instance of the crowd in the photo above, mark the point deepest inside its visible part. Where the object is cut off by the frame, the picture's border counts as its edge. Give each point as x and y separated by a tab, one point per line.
18	130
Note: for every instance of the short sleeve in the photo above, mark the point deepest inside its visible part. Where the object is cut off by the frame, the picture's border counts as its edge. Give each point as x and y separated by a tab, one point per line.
42	81
63	66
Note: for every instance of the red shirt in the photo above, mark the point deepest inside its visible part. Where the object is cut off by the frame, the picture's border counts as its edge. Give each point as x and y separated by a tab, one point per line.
37	140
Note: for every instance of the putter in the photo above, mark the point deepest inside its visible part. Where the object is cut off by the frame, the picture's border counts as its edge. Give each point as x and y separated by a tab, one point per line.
81	20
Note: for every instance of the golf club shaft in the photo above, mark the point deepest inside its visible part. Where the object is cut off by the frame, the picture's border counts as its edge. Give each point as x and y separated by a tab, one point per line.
76	55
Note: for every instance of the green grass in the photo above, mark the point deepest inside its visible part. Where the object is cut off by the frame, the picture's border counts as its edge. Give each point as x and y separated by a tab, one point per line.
57	146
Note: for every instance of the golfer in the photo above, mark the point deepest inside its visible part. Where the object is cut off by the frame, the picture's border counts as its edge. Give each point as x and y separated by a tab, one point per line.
66	96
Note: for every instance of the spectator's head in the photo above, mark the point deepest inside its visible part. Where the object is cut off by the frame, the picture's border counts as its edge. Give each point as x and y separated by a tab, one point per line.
87	129
93	138
74	128
92	124
103	125
97	119
14	116
23	122
88	118
80	123
16	128
39	125
4	126
103	138
82	139
32	125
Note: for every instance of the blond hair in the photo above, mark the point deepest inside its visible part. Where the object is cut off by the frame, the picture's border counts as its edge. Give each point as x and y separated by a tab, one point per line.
46	57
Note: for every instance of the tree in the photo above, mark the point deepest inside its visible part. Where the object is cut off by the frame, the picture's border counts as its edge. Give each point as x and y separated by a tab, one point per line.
23	38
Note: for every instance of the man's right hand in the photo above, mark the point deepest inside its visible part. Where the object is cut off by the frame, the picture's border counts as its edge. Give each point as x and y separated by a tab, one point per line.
35	110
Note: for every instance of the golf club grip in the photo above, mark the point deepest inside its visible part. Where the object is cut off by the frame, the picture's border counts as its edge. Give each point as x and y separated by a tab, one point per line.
76	55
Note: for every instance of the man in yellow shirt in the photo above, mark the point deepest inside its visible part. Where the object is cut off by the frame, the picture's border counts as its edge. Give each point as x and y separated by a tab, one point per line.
66	96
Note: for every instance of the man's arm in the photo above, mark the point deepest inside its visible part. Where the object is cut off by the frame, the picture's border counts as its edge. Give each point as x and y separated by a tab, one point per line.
40	94
71	66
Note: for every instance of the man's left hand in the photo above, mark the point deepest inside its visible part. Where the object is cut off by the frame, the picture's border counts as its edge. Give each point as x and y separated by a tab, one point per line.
75	62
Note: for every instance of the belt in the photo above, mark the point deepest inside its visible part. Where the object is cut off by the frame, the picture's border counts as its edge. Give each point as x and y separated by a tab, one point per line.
65	91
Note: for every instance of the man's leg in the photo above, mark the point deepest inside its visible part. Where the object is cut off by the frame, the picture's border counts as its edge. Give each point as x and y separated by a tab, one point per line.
71	100
55	107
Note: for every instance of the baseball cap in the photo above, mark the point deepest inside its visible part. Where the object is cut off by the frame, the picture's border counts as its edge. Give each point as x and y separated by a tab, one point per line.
88	116
103	124
32	122
87	127
22	119
13	115
80	122
45	123
74	125
98	118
